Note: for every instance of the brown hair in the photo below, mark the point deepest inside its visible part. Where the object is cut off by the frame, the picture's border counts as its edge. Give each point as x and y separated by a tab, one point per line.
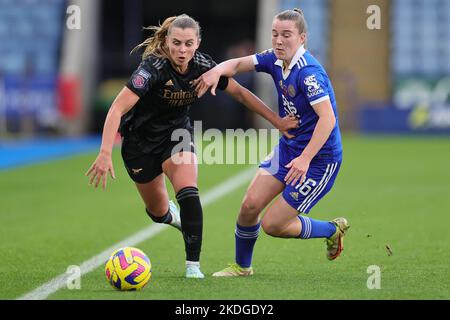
297	16
156	44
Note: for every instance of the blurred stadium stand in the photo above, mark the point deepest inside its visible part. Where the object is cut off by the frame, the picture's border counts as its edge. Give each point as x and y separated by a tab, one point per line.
420	38
29	63
61	82
419	71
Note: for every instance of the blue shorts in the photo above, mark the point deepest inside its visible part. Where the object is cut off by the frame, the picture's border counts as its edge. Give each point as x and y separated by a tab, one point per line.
319	178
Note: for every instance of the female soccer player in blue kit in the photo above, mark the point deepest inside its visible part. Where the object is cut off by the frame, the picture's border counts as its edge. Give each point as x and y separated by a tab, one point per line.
303	168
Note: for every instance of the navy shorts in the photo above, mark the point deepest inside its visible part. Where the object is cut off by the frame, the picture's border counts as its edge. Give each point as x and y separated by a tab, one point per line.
143	167
319	178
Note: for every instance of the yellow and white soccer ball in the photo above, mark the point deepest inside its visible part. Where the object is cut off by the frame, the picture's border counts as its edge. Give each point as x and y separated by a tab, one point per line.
128	269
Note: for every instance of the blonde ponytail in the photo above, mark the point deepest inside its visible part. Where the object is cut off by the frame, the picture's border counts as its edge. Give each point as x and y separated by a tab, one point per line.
156	44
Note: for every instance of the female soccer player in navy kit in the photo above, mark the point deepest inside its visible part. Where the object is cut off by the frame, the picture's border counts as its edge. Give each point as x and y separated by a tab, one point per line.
304	168
154	106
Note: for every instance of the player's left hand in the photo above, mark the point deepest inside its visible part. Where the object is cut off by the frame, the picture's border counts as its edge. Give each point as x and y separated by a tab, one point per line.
298	169
207	80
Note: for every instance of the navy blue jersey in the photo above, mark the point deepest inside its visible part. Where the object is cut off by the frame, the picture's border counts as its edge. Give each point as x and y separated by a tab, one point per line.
303	84
165	99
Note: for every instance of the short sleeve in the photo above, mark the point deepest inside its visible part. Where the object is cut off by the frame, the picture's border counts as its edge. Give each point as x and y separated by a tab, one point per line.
314	85
264	61
143	79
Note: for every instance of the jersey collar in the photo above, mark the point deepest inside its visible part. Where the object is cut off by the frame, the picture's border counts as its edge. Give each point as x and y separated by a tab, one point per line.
300	52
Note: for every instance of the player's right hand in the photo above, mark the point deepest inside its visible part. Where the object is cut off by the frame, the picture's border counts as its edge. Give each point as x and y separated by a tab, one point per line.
207	80
99	170
298	168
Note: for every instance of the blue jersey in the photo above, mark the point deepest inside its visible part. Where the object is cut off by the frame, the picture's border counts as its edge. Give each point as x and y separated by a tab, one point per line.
304	84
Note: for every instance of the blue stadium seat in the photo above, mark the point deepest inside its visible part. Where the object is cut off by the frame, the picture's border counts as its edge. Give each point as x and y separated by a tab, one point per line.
20	38
420	36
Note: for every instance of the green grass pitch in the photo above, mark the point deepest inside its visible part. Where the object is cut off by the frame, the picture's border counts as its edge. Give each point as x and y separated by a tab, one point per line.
394	191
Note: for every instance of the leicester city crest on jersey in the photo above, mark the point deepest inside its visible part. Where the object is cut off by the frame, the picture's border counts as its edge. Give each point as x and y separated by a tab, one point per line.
291	90
314	88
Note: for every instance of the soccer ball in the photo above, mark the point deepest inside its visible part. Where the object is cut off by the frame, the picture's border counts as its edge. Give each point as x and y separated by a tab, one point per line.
128	269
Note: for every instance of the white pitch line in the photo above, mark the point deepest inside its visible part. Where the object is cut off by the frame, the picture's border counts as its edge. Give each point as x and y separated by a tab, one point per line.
50	287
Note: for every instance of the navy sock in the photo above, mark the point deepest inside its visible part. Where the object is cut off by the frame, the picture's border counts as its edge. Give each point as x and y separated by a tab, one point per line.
315	228
245	241
191	214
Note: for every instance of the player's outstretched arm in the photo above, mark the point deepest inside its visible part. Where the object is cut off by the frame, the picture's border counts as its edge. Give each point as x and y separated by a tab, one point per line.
247	98
327	121
228	68
98	172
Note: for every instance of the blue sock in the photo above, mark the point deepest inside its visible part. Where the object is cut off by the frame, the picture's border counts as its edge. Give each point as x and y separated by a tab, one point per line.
315	228
245	241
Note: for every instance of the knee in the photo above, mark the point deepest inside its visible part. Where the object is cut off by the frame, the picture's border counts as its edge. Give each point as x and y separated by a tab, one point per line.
157	208
270	227
250	208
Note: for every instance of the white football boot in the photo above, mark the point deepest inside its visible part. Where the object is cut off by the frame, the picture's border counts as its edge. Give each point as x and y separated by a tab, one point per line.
193	271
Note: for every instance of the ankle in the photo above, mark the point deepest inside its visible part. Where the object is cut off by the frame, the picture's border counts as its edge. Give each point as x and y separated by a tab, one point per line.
192	263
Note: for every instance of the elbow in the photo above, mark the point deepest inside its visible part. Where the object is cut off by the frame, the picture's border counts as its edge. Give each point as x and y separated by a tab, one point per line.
333	122
236	66
240	97
119	109
115	109
114	113
330	121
